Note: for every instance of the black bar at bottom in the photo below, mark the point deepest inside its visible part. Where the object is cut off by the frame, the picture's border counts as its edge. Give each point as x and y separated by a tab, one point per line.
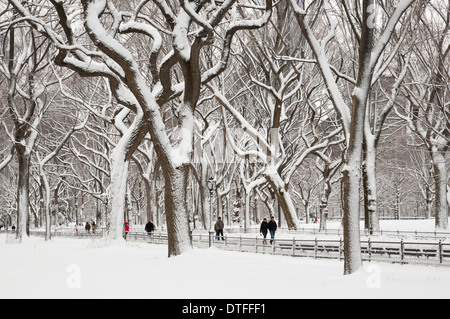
232	309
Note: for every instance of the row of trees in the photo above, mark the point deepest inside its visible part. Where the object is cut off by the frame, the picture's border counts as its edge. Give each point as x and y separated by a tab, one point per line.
287	104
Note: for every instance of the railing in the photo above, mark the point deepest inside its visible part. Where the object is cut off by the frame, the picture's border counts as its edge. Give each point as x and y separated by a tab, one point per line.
70	233
397	251
406	252
302	231
340	232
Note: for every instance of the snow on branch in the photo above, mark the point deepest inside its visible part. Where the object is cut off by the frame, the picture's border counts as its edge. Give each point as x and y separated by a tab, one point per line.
190	9
257	138
320	54
7	159
389	30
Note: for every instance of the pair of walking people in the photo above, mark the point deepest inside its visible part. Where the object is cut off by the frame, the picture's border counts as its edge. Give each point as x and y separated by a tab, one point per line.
270	227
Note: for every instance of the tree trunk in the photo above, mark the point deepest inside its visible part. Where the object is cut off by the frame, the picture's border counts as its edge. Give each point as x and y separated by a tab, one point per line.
440	177
255	209
177	216
150	199
117	195
120	160
350	221
448	195
371	220
41	206
247	209
285	200
324	204
205	213
429	201
23	187
46	204
323	217
219	204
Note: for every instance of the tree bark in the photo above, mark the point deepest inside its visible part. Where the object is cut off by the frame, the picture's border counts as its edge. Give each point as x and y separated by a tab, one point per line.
285	200
23	188
440	177
324	203
177	216
371	217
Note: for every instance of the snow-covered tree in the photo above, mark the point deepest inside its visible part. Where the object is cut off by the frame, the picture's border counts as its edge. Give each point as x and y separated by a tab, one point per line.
28	99
44	156
179	31
277	100
427	96
371	41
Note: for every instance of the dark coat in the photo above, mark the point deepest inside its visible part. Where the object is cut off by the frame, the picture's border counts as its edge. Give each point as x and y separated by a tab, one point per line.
219	225
149	227
272	225
264	227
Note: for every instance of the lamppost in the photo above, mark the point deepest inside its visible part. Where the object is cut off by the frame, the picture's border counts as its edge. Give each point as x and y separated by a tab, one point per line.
104	199
211	186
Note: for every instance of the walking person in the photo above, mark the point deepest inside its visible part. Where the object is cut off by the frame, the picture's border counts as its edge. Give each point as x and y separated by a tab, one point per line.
94	227
264	229
127	229
149	228
272	226
218	227
87	227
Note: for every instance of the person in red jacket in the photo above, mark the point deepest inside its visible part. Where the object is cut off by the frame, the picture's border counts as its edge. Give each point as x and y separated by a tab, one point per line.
127	229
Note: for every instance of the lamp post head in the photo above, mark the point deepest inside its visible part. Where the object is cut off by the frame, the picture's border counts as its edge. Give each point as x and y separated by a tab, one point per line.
211	185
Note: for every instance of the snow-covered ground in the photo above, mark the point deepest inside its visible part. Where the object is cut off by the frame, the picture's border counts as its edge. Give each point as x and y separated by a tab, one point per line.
85	268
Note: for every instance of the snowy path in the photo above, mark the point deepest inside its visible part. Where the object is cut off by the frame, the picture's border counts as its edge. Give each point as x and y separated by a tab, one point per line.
74	268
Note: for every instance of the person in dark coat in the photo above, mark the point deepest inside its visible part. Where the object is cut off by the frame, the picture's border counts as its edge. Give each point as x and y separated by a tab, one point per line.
264	229
88	227
272	226
149	228
218	227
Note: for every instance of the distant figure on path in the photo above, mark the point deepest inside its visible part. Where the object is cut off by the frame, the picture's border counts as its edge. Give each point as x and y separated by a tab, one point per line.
264	229
88	227
149	228
127	229
218	227
272	229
